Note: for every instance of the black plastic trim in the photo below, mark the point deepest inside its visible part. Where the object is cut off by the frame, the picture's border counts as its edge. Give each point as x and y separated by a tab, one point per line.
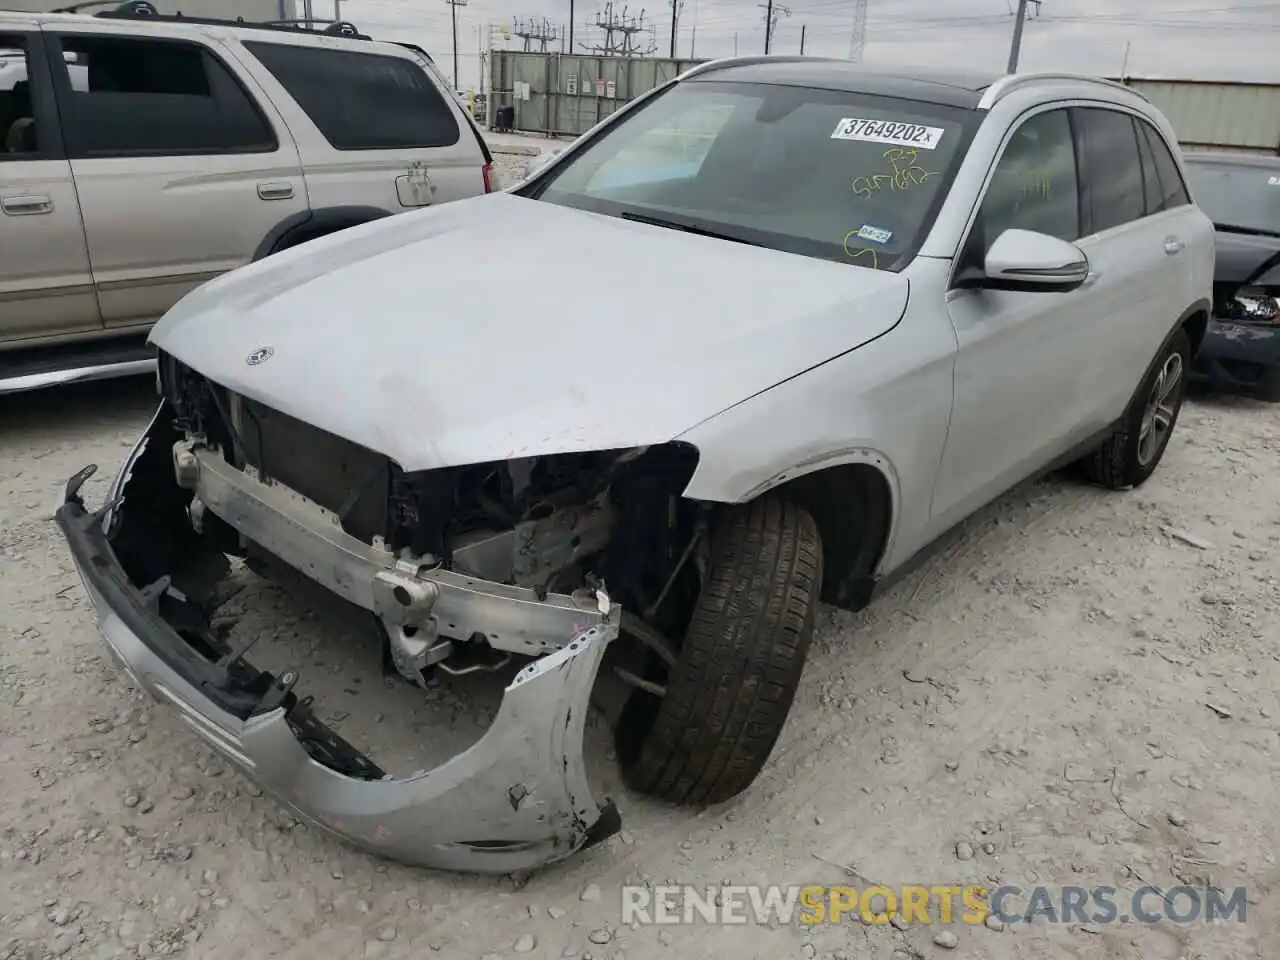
319	222
100	567
49	140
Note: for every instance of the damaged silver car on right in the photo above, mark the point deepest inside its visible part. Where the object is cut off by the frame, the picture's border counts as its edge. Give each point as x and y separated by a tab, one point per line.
825	315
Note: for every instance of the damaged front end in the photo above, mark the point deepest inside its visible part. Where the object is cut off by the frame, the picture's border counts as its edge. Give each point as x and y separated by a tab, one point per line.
459	574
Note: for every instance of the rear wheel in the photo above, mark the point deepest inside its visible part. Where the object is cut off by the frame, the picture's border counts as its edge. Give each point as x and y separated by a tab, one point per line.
706	734
1132	453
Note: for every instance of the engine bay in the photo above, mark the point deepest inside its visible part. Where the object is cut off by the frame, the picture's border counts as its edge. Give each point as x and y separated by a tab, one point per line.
554	528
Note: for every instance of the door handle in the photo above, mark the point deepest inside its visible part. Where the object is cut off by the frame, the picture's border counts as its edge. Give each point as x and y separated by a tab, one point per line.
1172	245
276	190
26	205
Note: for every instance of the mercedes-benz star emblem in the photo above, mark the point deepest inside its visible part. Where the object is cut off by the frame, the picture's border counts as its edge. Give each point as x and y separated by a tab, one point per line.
261	355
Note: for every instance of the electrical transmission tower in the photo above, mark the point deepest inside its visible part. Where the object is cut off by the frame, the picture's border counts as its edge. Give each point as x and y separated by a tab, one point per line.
772	11
541	32
858	38
620	31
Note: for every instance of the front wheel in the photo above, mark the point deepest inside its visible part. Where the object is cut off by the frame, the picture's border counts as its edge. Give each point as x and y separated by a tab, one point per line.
1131	454
728	693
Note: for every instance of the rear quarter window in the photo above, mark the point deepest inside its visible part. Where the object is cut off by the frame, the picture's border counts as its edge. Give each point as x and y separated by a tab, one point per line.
362	101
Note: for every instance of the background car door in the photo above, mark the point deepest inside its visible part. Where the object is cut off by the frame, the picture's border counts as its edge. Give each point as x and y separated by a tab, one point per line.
1135	249
181	173
46	287
374	128
1018	400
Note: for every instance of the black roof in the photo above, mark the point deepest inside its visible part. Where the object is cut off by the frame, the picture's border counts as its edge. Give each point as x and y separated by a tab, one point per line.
948	87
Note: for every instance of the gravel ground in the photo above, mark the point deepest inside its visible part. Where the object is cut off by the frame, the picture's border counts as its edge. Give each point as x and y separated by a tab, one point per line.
1082	688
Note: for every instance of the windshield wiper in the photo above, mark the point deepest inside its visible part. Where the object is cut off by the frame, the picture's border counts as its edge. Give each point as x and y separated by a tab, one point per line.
685	227
1252	231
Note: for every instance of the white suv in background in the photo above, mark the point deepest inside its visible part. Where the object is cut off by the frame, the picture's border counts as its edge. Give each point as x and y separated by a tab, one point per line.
142	155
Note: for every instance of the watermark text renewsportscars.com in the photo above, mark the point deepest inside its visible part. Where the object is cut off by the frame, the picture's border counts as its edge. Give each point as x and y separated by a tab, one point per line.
927	904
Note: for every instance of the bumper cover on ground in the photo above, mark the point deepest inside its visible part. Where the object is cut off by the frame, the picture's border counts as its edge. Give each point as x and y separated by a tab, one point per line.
515	800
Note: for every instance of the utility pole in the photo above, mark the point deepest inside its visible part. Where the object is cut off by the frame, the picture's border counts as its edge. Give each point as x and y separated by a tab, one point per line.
771	13
803	27
571	26
453	15
1015	48
676	6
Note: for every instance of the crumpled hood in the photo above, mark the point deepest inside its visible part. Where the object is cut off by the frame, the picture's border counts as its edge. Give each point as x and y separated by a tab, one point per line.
500	326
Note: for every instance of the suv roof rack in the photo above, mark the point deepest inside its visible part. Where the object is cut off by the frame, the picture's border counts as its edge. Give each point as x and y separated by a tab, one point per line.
1014	81
144	10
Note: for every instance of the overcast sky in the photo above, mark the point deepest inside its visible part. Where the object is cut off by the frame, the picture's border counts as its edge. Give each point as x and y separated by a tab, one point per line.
1200	39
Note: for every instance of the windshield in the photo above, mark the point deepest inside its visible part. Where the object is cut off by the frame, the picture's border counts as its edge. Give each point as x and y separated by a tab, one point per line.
1237	195
841	176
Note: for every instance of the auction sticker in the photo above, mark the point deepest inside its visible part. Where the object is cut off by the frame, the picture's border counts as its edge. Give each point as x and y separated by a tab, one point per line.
893	132
874	234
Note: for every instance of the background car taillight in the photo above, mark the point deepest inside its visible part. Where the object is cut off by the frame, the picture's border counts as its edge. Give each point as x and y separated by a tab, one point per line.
488	177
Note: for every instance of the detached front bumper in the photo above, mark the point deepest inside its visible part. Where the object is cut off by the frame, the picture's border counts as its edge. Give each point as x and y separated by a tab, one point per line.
515	800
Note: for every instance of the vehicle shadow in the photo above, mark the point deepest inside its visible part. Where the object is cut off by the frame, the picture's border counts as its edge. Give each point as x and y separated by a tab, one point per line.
46	414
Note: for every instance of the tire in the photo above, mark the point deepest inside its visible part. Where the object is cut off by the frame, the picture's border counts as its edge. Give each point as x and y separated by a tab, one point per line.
1131	455
735	677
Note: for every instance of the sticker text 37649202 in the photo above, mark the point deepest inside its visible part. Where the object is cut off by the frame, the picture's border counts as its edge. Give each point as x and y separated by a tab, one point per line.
892	132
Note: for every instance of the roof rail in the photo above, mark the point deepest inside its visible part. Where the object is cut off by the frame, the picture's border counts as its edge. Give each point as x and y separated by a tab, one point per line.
707	66
144	10
1015	81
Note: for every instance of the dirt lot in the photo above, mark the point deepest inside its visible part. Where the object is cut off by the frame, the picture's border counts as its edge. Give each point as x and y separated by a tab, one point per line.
1068	692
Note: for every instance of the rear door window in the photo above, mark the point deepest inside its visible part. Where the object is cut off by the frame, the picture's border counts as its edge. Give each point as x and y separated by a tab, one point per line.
126	96
362	101
1173	191
1111	170
1152	191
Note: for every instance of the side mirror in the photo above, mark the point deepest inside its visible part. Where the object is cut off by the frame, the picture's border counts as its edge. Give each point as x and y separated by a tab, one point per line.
1030	261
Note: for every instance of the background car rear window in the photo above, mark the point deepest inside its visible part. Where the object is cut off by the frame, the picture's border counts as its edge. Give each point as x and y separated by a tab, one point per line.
362	101
843	176
131	97
1241	196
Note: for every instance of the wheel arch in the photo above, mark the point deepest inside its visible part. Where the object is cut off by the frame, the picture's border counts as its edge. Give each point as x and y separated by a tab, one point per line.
1195	320
853	498
310	224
